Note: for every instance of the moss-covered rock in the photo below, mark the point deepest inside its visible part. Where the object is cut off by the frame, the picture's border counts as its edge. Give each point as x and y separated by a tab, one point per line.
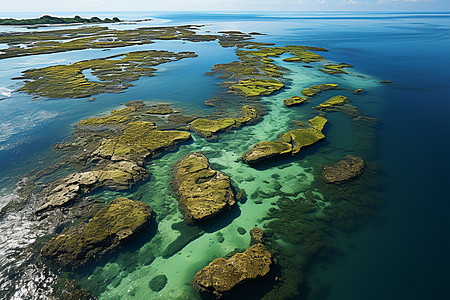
202	192
265	150
211	128
294	100
114	74
335	68
114	224
256	87
222	275
314	90
140	140
332	102
289	143
351	166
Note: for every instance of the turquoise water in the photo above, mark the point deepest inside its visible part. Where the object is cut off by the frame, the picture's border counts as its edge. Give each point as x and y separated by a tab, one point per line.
404	257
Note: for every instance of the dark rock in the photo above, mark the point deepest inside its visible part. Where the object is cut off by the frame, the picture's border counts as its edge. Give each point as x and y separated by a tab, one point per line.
241	230
158	283
345	169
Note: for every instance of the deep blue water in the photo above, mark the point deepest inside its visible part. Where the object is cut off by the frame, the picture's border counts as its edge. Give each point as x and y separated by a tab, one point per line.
407	255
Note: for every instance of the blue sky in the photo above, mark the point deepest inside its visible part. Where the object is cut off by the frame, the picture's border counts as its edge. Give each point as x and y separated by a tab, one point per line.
221	5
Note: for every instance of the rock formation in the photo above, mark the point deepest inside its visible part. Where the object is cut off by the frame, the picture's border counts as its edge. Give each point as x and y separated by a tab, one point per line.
222	275
345	169
202	192
111	226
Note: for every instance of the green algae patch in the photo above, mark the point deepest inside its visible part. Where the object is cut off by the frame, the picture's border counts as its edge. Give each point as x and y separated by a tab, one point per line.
332	102
335	68
314	90
288	143
294	100
111	226
141	139
114	74
257	87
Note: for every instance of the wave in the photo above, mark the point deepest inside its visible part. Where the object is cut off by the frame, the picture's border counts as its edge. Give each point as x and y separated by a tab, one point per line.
5	92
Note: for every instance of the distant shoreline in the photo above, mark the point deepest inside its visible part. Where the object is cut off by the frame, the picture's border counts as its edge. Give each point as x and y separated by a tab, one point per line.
47	20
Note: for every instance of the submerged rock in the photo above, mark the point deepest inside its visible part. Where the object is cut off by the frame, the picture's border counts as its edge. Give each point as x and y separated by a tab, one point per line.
111	226
158	283
256	236
202	192
222	275
351	166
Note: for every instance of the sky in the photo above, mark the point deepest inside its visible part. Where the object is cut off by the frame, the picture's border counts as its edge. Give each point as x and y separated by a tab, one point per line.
221	5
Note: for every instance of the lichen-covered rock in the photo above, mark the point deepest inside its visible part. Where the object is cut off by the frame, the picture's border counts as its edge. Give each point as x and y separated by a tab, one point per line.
314	90
351	166
202	192
111	226
294	100
222	275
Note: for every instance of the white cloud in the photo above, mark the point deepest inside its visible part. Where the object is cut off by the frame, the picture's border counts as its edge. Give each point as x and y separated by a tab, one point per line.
321	1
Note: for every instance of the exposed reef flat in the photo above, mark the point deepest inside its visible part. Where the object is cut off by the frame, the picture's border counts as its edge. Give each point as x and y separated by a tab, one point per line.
210	128
290	142
114	74
114	224
351	166
294	100
222	275
314	90
335	68
202	192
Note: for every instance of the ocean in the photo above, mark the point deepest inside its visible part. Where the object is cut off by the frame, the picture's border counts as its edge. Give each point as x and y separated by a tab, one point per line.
402	253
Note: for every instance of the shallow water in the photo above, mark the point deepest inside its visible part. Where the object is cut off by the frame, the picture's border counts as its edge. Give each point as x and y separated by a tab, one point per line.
405	256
